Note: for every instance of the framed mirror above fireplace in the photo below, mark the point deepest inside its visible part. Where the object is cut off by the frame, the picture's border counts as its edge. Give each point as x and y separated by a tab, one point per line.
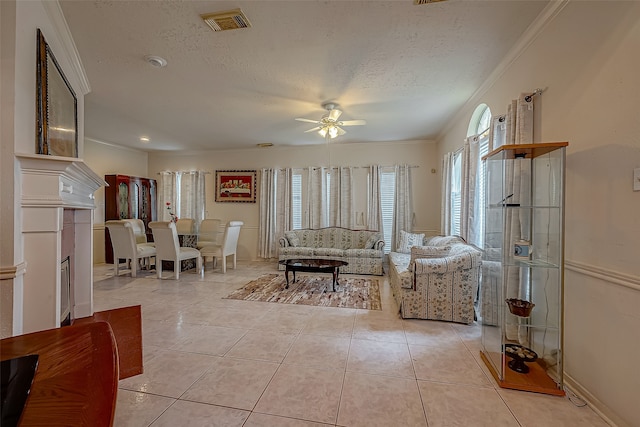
57	106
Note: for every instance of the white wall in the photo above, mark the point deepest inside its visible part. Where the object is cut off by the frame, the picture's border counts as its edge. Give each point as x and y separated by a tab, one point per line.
426	190
107	159
19	23
588	59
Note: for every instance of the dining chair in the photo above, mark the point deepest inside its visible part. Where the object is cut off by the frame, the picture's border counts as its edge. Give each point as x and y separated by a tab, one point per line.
139	231
124	245
228	247
185	226
168	248
208	233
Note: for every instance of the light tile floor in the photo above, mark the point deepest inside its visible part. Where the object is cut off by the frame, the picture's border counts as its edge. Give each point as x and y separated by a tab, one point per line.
210	361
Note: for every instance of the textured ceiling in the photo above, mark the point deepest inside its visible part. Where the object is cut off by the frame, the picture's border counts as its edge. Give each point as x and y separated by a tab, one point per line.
405	69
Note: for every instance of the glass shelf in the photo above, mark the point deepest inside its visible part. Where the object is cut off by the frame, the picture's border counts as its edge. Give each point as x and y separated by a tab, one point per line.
527	182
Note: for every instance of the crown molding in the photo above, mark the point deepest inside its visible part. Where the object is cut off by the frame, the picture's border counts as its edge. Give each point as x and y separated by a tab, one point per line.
54	12
547	15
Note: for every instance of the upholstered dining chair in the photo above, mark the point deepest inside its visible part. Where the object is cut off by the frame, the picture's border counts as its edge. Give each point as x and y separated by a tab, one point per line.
138	229
168	248
208	233
228	247
124	245
185	226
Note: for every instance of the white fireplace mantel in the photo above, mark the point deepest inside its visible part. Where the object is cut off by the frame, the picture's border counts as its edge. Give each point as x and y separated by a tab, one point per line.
57	181
49	186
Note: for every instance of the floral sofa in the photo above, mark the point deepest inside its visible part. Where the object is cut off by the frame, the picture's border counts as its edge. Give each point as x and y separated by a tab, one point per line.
362	249
436	280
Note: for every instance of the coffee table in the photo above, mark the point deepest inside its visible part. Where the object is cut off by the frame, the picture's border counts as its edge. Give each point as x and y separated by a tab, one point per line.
313	266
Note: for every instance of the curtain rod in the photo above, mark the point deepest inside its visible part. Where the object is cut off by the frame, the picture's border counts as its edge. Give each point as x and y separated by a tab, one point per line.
538	91
204	172
354	167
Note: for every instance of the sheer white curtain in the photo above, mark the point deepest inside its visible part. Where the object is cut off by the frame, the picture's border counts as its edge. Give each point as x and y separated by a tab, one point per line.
403	206
447	182
516	127
341	197
330	200
167	193
317	200
275	209
192	196
186	193
470	199
374	209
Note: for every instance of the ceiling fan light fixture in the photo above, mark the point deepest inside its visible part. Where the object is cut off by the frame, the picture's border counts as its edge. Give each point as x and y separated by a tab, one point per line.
323	132
333	131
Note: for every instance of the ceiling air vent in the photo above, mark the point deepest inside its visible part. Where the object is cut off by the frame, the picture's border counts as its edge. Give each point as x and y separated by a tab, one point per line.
426	1
229	20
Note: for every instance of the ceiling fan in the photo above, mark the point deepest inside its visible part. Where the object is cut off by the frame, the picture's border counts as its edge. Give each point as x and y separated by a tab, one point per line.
329	125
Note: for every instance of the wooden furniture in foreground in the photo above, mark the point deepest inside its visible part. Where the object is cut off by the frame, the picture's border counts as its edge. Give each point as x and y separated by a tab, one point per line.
76	381
126	324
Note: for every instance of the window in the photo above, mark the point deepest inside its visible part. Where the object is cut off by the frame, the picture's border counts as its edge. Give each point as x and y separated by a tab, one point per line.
456	195
470	216
296	200
387	196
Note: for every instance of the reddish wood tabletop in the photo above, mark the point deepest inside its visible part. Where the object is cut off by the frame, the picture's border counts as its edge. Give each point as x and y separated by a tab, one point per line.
76	382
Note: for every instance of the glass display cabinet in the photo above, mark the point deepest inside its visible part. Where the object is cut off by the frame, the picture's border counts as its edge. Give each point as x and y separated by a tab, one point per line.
128	197
521	303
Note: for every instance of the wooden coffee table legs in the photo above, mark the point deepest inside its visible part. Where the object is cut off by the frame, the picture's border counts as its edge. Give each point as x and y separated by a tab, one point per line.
293	268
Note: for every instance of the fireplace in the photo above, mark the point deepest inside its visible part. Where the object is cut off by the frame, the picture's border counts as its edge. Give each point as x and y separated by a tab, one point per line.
65	292
57	203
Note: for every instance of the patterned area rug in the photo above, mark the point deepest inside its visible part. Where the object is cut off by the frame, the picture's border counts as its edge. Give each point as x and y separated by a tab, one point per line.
313	290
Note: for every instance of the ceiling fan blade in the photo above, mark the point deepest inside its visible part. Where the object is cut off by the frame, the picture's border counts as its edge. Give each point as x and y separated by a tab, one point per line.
307	120
353	123
314	129
334	114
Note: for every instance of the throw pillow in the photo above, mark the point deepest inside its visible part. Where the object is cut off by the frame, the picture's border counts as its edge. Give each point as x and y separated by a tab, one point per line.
420	252
371	241
292	237
407	240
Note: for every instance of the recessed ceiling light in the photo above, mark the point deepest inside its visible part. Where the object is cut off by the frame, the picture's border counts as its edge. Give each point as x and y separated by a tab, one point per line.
156	61
144	139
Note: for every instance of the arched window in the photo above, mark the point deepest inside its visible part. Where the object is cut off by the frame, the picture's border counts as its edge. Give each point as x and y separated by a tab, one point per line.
477	146
480	120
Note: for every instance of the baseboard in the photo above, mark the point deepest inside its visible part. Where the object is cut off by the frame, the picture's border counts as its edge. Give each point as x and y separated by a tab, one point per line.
594	403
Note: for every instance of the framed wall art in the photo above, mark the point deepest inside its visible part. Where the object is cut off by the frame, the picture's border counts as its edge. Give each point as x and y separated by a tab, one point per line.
57	106
236	186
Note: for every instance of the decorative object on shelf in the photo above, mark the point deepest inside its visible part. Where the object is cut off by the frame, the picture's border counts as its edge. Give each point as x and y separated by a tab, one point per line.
236	186
519	355
57	106
522	250
520	307
174	218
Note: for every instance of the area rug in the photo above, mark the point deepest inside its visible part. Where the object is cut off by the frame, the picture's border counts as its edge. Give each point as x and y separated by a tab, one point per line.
313	290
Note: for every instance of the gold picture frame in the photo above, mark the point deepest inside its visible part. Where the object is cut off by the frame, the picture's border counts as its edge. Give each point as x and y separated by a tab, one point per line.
236	186
57	106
